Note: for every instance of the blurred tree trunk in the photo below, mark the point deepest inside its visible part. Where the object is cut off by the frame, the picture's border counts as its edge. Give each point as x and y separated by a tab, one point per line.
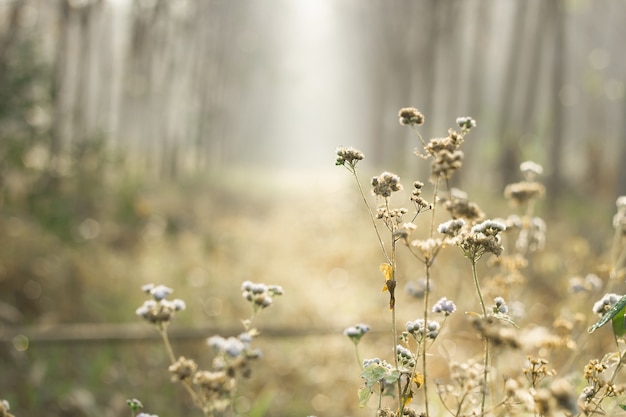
621	172
474	104
555	151
8	35
530	90
508	130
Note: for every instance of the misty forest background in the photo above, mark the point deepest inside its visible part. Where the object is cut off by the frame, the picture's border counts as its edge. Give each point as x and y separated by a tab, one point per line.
191	143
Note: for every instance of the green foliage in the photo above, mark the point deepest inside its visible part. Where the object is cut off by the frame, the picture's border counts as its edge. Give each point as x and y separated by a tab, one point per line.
616	315
373	374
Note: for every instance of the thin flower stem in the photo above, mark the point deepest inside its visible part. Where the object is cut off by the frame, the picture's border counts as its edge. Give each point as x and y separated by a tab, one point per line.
424	368
418	135
486	340
166	342
432	221
477	285
371	213
185	382
427	266
394	329
358	355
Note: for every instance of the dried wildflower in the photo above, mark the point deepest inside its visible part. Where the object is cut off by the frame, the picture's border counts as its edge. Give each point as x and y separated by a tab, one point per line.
428	247
446	163
523	192
532	237
417	288
406	359
183	369
465	123
416	197
591	282
605	303
497	334
483	238
489	227
134	404
386	412
214	382
385	184
4	409
530	170
405	231
537	370
467	375
451	227
159	292
460	207
348	156
159	312
619	220
232	346
500	306
356	332
416	328
410	412
410	116
445	306
260	295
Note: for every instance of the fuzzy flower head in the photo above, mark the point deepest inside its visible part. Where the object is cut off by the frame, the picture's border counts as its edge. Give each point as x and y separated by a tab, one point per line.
460	206
417	329
591	282
410	116
465	123
183	369
416	197
260	295
483	238
133	403
348	156
4	409
417	288
356	332
605	303
500	306
386	183
530	170
406	359
444	306
428	247
619	220
451	227
522	192
159	310
159	292
532	237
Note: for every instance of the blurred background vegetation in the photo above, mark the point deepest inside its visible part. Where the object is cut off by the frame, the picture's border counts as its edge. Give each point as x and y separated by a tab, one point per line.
191	143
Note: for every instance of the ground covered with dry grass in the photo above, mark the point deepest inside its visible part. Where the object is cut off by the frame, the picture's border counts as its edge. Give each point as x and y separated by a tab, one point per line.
312	236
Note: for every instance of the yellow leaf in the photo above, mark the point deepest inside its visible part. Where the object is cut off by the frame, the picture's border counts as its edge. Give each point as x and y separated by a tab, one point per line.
418	379
387	271
408	398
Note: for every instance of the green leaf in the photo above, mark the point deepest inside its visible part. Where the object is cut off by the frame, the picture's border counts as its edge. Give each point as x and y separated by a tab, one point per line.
373	373
364	395
392	376
622	406
619	327
608	316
